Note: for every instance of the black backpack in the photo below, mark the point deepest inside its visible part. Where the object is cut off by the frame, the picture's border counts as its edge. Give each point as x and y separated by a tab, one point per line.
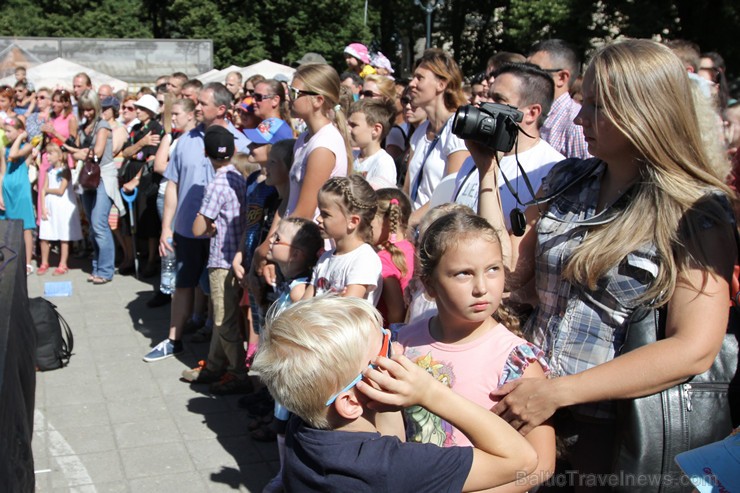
54	341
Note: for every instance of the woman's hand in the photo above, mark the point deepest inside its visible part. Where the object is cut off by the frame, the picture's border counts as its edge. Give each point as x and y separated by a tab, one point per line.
526	403
48	128
130	186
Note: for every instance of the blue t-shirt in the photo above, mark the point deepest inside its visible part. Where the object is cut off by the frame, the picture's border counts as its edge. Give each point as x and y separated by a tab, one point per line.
191	170
262	202
328	460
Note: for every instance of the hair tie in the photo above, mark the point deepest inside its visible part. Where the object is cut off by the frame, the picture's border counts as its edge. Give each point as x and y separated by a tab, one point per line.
337	108
392	239
393	202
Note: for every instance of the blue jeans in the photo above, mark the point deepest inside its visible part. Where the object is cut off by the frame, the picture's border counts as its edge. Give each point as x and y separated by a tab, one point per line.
97	206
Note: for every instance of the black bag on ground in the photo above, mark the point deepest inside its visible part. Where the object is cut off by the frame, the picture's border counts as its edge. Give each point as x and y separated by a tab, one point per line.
54	341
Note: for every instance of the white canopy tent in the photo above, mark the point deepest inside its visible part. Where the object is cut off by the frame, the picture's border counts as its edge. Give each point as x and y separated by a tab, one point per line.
59	73
266	68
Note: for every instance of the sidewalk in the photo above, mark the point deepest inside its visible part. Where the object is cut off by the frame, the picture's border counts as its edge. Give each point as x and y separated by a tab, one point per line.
110	422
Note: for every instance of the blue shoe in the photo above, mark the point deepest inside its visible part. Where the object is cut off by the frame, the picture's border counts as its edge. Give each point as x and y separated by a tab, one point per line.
163	350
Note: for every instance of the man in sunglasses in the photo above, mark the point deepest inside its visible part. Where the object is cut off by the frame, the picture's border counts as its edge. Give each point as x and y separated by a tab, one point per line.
560	60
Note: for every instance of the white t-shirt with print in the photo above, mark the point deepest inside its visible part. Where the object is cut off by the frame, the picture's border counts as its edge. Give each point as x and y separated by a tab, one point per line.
379	169
435	164
536	162
362	265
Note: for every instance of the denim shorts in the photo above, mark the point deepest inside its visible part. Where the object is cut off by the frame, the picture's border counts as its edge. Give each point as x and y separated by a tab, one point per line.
192	258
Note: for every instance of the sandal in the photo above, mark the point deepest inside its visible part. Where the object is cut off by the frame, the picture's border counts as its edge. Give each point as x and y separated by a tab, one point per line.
42	269
100	280
90	278
59	271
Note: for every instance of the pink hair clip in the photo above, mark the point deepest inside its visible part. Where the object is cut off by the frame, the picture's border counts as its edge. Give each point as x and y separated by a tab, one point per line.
394	202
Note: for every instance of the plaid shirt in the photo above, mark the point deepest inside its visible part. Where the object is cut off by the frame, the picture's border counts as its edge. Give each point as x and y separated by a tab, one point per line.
578	328
559	130
225	202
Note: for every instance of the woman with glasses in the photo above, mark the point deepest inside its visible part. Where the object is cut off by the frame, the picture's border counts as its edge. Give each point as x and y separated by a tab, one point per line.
269	100
128	112
436	87
250	83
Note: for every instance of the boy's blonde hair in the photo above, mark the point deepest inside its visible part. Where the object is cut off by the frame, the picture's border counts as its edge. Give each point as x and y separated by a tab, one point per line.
312	350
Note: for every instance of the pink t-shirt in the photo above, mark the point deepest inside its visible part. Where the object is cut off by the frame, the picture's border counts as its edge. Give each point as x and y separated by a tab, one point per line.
329	137
390	270
473	370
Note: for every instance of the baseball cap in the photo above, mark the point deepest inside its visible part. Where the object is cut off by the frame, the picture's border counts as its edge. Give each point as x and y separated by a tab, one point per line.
714	467
269	131
247	104
219	142
310	57
359	51
148	102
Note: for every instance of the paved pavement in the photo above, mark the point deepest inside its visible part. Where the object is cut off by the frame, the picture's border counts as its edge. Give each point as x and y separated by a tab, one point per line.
110	422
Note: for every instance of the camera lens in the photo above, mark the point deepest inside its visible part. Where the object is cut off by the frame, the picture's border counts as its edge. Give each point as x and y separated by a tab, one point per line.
465	123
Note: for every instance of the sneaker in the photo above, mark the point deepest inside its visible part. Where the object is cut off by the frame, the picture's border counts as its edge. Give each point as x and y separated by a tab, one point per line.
203	334
163	350
231	384
201	374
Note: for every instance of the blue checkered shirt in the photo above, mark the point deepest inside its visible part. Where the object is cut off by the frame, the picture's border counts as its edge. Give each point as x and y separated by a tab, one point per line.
578	328
225	202
559	130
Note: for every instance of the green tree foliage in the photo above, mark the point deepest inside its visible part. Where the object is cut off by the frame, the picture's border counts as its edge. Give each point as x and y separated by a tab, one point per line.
283	30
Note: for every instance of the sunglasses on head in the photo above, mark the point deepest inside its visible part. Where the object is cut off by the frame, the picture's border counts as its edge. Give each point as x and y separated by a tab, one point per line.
405	101
385	350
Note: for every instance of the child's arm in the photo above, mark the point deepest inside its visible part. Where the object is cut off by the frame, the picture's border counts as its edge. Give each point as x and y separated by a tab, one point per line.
310	292
298	291
393	297
56	191
391	424
18	150
500	455
203	226
542	439
355	290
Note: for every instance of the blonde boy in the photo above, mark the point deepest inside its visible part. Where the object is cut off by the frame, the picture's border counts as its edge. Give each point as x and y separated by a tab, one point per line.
369	123
313	360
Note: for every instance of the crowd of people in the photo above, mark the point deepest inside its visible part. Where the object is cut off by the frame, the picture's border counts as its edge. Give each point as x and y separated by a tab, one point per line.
316	220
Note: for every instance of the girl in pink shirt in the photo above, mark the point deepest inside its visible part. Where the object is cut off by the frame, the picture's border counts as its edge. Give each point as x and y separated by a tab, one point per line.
466	345
395	251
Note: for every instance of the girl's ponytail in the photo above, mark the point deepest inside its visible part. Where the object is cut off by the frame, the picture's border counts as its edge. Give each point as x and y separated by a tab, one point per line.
396	207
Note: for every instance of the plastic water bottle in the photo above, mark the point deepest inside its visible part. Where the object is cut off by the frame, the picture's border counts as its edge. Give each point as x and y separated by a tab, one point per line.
167	283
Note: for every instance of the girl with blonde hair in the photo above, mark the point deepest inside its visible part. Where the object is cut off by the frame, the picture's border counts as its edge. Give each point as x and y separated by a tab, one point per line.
648	224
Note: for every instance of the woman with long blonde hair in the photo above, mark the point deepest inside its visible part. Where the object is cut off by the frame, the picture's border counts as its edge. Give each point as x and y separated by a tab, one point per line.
647	224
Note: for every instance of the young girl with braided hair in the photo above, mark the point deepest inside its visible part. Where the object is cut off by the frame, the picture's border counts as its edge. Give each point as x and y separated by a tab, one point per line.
347	206
395	251
470	344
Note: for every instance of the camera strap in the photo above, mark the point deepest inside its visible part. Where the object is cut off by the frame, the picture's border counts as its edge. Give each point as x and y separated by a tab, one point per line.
420	175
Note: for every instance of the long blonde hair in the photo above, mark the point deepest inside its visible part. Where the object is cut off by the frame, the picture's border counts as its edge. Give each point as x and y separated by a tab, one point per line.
324	80
646	94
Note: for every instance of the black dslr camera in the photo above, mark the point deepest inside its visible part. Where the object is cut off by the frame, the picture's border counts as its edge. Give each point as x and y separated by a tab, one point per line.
492	124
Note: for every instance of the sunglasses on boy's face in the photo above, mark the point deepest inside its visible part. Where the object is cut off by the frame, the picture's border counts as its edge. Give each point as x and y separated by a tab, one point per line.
385	350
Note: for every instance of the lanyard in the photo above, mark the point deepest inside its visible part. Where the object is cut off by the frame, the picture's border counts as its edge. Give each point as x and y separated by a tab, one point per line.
417	181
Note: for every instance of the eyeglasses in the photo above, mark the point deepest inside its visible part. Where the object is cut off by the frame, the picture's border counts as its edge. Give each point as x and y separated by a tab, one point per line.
129	108
259	97
276	240
405	101
369	94
385	350
248	92
297	93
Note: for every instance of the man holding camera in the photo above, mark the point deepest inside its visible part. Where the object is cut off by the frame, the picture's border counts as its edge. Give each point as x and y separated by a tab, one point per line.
530	90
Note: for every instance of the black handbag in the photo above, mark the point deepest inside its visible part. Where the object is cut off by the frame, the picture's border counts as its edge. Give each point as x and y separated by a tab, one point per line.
652	430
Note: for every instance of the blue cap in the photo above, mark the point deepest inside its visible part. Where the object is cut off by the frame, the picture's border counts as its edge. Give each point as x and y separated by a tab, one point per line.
269	131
